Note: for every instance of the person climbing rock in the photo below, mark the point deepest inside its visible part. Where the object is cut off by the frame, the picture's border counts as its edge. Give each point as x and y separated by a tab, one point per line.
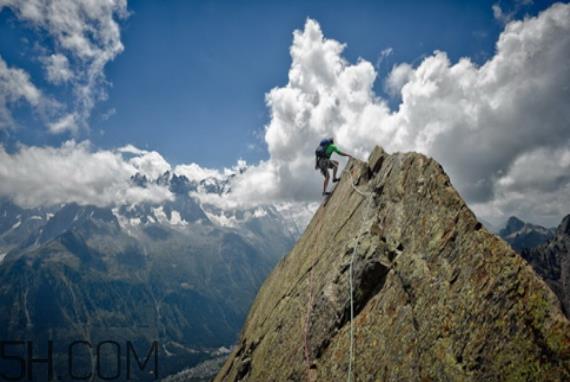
324	162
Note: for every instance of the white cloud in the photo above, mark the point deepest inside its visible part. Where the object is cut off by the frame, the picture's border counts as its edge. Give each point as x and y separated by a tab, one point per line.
75	172
85	34
384	54
34	176
57	68
150	163
108	114
535	188
505	16
196	173
130	149
398	77
500	15
476	120
66	123
15	86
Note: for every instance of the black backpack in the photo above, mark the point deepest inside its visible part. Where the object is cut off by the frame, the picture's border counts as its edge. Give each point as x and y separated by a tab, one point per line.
321	151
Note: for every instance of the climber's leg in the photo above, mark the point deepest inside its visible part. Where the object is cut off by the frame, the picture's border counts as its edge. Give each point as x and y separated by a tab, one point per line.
334	166
326	183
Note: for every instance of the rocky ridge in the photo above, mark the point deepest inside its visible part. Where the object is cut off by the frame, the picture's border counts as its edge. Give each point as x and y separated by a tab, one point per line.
436	296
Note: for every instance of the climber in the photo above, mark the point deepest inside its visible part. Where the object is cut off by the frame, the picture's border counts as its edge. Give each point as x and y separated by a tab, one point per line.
323	162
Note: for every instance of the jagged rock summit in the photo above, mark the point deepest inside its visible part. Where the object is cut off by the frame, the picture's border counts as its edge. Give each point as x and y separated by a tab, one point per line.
436	296
524	236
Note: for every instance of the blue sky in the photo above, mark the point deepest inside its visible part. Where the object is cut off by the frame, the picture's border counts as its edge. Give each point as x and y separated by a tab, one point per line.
191	80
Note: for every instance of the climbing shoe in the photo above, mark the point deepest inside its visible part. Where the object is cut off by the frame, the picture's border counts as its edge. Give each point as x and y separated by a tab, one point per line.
336	180
326	193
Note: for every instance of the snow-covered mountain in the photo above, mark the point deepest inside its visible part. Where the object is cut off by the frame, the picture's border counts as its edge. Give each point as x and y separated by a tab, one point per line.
182	272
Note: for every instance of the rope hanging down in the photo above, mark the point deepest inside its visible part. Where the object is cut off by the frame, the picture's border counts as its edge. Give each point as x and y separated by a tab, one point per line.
365	194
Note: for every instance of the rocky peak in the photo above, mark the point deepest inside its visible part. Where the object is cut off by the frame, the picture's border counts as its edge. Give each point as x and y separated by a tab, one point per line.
164	179
513	224
524	236
436	296
181	185
215	185
73	215
139	180
564	227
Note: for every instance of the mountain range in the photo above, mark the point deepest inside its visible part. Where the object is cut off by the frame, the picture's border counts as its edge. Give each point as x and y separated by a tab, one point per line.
181	273
522	235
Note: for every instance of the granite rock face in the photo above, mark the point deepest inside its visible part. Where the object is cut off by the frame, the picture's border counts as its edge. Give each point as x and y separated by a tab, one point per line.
436	296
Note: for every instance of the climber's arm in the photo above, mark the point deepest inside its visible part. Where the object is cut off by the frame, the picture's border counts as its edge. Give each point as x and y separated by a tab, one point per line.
342	154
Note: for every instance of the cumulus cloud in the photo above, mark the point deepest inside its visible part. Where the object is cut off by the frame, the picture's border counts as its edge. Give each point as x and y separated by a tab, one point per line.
86	37
15	86
478	121
399	75
74	172
536	188
151	163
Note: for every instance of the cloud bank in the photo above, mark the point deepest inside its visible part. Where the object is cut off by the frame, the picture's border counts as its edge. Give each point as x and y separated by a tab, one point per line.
74	172
486	124
35	176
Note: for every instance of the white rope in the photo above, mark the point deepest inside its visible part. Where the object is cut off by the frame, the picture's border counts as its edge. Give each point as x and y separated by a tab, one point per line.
365	194
357	190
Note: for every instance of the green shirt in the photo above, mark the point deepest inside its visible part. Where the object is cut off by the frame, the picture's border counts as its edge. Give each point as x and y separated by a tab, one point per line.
330	150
